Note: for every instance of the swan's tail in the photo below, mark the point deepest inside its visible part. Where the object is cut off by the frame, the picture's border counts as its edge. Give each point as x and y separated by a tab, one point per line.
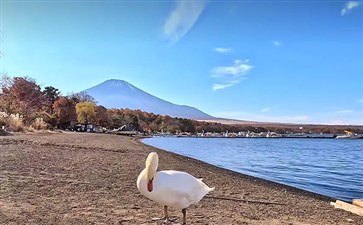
206	188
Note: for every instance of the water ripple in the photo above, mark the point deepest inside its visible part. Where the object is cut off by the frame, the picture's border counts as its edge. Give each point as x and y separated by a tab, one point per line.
326	166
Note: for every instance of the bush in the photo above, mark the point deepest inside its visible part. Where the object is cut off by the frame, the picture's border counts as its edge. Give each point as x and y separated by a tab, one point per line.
3	118
15	123
39	124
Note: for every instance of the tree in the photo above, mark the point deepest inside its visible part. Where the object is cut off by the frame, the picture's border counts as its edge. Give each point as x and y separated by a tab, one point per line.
65	110
6	81
22	95
82	97
102	116
135	122
51	94
187	126
86	112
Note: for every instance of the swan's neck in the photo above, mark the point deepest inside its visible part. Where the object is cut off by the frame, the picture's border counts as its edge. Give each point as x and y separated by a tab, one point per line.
150	171
152	162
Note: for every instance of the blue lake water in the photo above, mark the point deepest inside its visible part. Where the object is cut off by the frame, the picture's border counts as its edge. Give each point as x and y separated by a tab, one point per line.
331	167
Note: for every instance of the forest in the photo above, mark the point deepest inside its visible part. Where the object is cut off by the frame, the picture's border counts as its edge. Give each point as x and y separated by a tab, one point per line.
25	106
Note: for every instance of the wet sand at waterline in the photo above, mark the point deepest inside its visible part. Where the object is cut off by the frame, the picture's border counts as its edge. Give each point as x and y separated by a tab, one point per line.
81	178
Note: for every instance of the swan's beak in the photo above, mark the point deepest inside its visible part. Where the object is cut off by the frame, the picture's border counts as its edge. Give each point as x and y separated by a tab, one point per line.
150	185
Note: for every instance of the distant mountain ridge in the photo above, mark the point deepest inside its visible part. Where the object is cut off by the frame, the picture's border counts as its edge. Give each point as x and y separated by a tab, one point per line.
121	94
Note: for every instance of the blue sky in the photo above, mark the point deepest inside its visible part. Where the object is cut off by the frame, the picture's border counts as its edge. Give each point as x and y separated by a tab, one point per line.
277	61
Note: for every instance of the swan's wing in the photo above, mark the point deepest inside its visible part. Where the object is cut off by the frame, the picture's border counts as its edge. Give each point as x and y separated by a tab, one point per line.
181	184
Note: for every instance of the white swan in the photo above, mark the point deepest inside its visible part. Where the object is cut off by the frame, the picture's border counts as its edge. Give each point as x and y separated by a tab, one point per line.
171	188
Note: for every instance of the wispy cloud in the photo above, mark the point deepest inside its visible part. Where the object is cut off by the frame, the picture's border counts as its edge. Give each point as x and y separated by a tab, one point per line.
227	76
182	18
360	100
344	111
335	117
223	50
349	6
266	109
221	86
276	43
263	118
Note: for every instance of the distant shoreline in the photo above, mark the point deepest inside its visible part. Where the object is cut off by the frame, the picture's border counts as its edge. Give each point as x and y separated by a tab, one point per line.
307	136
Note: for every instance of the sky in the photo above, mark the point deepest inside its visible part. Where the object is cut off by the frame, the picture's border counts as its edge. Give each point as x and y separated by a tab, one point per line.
272	61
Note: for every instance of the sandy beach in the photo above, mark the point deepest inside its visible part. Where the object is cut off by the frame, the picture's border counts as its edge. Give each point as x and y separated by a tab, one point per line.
80	178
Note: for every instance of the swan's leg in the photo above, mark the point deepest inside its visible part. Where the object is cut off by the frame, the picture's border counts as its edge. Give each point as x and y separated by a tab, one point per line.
184	211
166	217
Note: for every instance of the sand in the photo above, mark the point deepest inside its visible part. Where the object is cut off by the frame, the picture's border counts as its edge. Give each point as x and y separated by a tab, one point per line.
80	178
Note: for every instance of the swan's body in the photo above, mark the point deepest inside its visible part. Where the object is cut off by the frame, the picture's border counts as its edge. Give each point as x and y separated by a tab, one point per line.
171	188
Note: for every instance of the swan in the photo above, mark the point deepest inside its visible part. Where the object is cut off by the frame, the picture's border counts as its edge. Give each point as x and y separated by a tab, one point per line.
170	188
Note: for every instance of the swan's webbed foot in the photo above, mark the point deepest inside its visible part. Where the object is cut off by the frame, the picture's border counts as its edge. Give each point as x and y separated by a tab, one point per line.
166	218
163	220
169	220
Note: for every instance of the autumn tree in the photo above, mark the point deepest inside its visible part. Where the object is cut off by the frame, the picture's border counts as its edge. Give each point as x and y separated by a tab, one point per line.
186	125
117	118
82	97
22	95
102	116
86	112
65	110
6	81
135	122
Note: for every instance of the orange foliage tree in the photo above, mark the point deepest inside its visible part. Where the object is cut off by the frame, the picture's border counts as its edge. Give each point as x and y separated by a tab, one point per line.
65	110
21	95
102	116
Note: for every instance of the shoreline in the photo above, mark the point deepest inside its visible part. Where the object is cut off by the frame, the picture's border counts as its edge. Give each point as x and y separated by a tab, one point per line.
74	178
250	177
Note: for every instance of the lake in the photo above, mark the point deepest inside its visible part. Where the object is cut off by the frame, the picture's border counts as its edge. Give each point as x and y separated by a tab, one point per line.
331	167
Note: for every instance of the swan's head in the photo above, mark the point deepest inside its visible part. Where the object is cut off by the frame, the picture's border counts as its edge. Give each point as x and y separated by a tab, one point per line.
152	162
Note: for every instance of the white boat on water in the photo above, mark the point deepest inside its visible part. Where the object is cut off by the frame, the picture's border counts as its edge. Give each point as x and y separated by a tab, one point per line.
273	135
349	135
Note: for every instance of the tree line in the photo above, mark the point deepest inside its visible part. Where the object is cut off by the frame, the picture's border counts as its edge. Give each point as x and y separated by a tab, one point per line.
22	96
